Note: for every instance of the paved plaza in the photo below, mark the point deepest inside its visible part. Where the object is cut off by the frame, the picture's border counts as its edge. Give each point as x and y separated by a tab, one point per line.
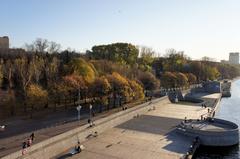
151	135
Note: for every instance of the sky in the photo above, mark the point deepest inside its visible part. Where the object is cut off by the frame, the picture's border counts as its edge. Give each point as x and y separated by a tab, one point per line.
197	27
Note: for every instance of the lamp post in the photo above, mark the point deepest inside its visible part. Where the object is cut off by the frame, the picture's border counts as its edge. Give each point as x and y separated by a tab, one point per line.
90	116
79	109
79	106
90	112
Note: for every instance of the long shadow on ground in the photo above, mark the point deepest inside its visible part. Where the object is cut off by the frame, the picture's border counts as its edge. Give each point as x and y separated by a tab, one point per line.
162	126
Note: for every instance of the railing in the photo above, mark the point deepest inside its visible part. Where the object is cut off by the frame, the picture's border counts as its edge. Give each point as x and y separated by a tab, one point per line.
193	147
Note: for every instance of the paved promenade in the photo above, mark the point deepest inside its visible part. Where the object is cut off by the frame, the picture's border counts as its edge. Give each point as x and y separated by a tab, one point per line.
10	142
151	135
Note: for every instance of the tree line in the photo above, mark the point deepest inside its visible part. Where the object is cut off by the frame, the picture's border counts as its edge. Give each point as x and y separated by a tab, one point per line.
40	76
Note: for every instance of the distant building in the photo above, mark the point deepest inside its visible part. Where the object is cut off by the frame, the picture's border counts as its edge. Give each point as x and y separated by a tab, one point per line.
4	42
224	61
234	58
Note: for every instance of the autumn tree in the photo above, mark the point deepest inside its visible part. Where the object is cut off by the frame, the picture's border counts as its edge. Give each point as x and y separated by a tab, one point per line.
120	86
181	79
101	88
59	91
38	68
1	73
137	90
53	47
8	72
79	66
42	46
196	69
51	70
168	80
76	86
35	97
149	81
8	103
191	78
24	71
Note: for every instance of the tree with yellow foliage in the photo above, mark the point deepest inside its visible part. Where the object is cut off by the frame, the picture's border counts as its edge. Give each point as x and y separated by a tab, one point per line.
78	66
137	90
35	96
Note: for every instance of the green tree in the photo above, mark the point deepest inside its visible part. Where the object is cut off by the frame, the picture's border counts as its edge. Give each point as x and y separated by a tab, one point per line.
210	73
175	61
146	58
117	52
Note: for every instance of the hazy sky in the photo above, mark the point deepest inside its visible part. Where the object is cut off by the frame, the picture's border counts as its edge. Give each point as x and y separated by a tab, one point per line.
198	27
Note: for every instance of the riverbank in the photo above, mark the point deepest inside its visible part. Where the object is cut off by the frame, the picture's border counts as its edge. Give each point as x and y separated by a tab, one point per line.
151	135
145	131
228	110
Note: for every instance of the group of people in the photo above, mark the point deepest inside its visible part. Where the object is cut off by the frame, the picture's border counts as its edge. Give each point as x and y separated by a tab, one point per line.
204	105
27	143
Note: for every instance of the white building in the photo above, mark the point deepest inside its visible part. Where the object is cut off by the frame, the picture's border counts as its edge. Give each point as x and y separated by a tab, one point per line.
234	57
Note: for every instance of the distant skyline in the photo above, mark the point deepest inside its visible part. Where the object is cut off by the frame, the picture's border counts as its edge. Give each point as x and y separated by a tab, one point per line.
197	27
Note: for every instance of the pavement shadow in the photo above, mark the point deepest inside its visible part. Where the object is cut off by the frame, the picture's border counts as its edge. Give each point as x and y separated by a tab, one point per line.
162	126
65	156
178	142
151	124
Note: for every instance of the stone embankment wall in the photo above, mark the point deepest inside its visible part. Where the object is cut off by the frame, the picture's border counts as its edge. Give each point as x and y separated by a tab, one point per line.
227	137
60	143
226	89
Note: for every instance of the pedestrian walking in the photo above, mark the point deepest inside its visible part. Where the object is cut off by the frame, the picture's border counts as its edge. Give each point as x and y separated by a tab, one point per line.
24	145
32	136
29	142
90	122
24	148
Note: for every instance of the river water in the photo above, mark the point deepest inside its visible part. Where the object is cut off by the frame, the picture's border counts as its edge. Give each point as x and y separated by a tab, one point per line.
230	110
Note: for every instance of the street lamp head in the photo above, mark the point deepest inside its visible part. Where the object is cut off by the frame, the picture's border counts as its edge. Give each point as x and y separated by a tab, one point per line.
79	108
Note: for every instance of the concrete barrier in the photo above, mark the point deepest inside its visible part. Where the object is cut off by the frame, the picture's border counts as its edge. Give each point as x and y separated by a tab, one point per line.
226	137
60	143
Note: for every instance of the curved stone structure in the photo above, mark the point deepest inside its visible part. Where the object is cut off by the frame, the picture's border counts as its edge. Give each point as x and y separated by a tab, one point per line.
193	100
211	132
176	96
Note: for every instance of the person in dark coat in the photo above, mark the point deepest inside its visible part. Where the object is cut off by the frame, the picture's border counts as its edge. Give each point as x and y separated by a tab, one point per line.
32	136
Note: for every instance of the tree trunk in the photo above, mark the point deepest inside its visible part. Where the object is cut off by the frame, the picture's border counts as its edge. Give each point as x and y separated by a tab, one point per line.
31	115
